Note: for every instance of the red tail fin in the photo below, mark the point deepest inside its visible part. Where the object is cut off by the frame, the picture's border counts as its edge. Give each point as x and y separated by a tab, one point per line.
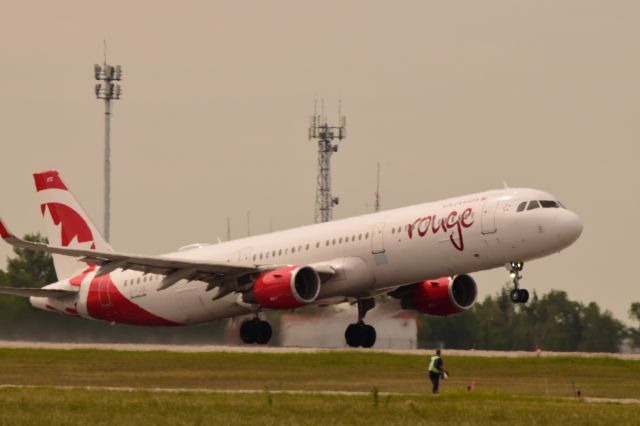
67	224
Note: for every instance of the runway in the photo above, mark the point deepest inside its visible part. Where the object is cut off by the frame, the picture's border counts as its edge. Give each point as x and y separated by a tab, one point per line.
273	349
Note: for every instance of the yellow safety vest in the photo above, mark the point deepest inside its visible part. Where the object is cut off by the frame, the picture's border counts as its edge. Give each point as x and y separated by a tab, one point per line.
432	364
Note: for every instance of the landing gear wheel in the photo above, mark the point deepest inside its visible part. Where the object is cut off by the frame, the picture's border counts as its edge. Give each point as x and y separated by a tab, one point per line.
255	331
360	335
264	332
517	295
353	336
248	332
369	336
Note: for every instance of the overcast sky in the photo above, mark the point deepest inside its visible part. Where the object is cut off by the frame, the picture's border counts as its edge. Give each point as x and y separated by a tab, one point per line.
452	97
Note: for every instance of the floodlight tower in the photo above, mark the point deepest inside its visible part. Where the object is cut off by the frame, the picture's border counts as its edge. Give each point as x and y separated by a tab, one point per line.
108	91
325	134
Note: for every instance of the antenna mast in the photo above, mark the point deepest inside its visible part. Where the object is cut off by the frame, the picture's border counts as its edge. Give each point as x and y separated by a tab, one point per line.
376	206
325	135
108	91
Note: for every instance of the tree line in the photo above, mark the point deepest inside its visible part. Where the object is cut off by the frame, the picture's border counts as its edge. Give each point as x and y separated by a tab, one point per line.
552	322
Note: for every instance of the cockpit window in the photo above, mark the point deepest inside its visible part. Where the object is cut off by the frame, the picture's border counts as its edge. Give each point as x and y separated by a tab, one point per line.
533	205
521	206
549	204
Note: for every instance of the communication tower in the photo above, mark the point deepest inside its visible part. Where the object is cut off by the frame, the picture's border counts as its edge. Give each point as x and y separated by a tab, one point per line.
107	91
325	134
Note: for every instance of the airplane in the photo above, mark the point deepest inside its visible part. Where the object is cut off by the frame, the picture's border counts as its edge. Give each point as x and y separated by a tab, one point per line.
421	255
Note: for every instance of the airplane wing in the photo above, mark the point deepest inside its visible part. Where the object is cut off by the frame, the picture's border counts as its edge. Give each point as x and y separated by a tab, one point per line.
37	292
174	268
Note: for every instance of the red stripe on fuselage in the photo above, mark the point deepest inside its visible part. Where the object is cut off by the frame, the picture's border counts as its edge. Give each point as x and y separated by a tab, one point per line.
105	302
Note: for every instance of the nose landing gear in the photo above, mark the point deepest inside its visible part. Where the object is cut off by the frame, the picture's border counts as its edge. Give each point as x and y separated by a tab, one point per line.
518	295
361	334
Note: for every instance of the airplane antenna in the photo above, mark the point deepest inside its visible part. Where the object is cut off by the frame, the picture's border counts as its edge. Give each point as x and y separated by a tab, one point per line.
228	229
376	206
107	91
504	182
325	135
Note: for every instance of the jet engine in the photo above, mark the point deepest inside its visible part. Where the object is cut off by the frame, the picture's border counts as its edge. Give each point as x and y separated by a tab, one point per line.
441	297
285	288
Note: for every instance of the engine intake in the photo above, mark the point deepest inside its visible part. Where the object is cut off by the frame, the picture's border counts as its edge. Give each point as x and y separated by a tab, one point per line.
285	288
442	297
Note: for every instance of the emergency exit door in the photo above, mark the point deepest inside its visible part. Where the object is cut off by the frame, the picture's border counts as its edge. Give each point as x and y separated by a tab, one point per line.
377	238
489	216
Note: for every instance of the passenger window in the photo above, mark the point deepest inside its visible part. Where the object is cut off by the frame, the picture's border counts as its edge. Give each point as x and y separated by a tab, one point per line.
273	254
293	249
318	245
307	247
393	230
260	256
333	242
359	236
340	240
521	206
254	257
280	252
327	243
533	205
366	236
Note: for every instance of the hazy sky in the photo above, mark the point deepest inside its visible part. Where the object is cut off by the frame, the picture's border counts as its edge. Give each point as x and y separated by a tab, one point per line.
452	97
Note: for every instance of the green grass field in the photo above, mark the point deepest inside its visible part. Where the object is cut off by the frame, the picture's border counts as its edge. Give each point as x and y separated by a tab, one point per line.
508	390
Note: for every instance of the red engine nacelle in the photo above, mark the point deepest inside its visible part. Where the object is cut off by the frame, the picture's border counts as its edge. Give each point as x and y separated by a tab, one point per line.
285	288
442	297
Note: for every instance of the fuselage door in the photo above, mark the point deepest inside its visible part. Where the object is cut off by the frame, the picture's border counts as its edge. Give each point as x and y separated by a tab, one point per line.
377	238
489	216
245	255
103	291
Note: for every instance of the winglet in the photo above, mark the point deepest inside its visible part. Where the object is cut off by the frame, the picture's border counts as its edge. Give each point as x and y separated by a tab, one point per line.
4	232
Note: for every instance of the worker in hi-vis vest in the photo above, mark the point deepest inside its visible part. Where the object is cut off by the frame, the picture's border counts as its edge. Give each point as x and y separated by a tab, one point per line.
436	369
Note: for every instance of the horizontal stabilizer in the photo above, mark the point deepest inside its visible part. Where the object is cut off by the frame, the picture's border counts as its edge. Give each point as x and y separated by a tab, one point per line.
37	292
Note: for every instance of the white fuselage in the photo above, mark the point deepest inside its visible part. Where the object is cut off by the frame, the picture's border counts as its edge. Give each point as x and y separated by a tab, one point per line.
371	254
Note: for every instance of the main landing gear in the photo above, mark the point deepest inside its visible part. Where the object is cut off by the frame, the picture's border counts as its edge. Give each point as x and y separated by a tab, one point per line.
361	334
255	331
518	295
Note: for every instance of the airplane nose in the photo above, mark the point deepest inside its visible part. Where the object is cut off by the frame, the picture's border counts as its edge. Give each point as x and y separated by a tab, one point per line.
568	226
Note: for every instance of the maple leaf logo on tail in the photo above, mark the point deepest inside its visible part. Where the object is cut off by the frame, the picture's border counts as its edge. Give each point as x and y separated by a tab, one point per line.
67	224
